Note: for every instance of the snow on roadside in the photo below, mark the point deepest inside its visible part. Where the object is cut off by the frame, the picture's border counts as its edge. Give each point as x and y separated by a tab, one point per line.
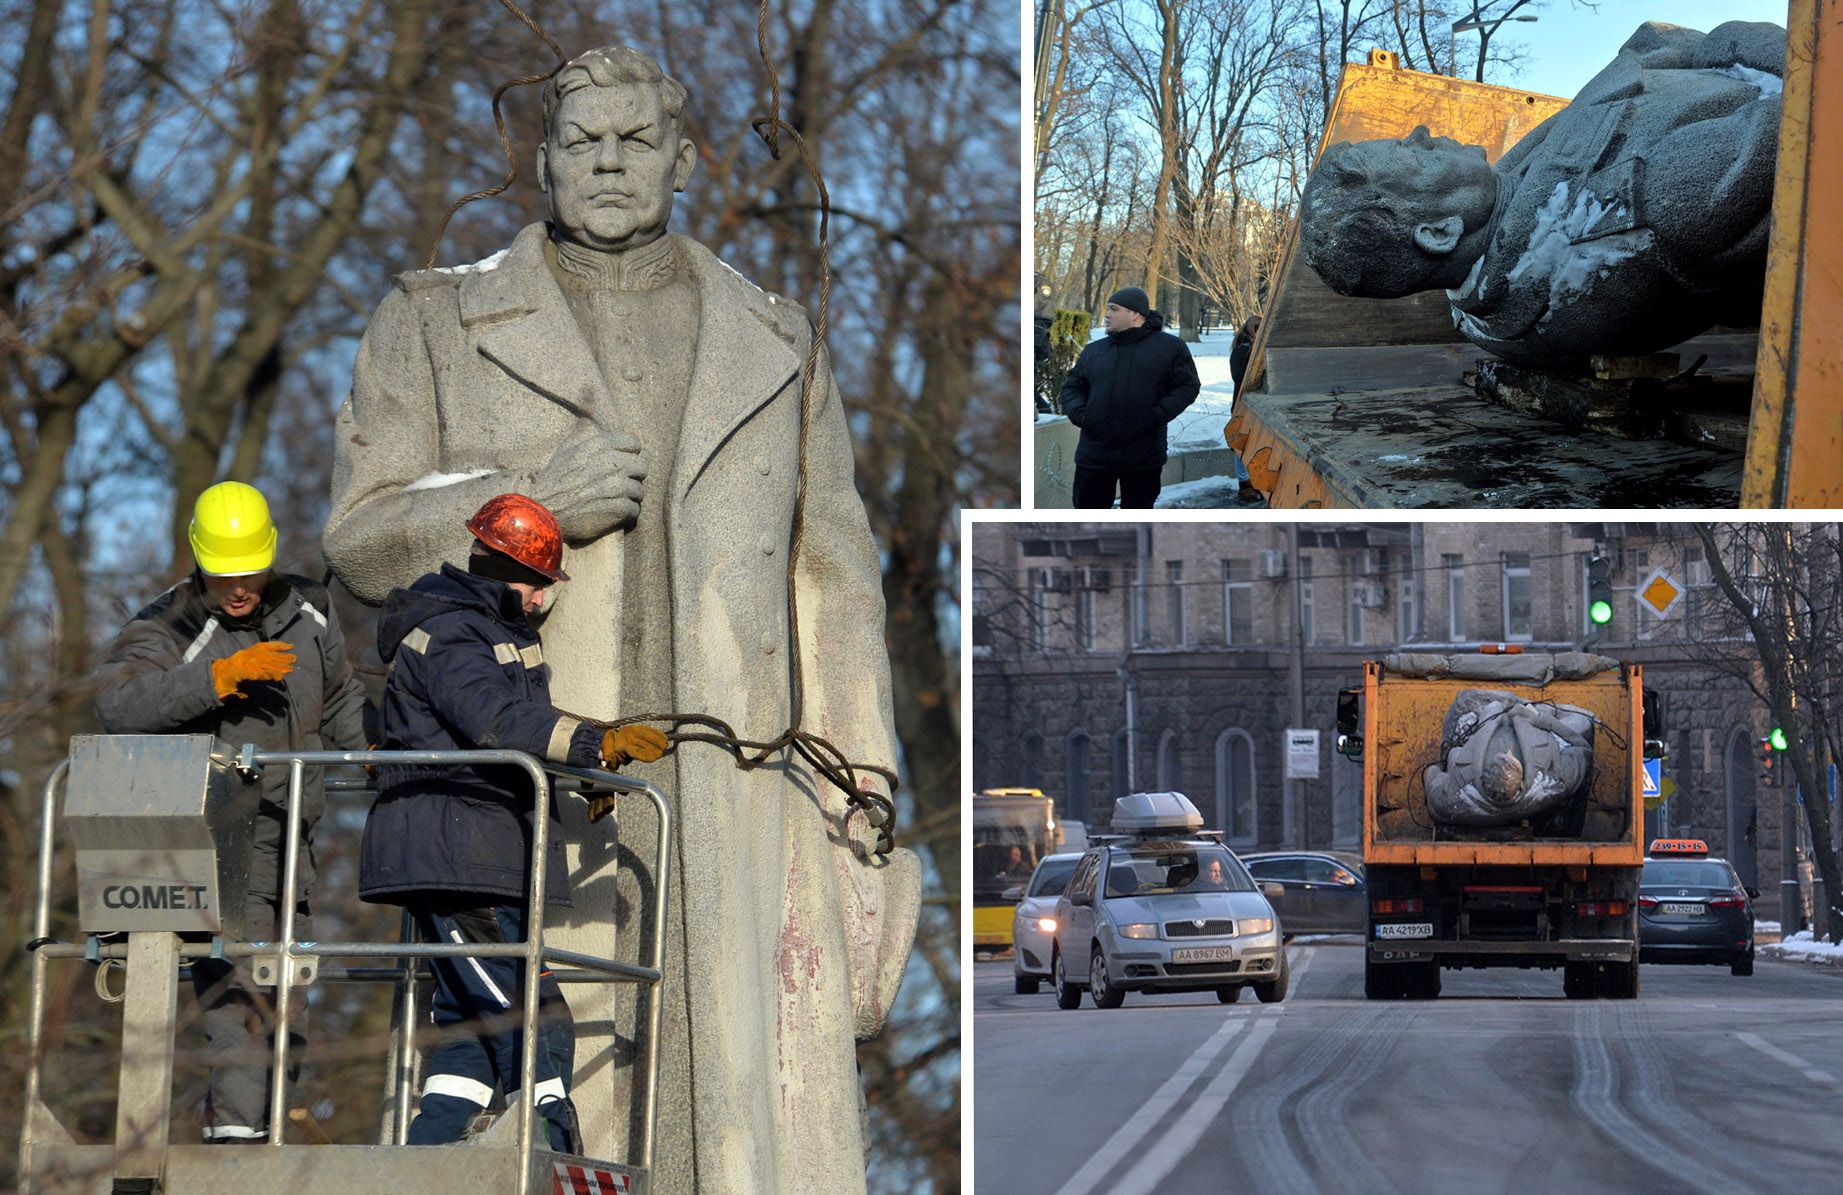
1802	947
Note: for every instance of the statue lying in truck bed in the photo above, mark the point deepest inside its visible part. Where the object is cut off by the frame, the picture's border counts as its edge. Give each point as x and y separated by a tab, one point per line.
1508	760
1632	219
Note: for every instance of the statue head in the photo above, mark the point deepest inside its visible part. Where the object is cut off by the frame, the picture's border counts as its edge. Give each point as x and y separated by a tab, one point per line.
1501	778
614	150
1384	219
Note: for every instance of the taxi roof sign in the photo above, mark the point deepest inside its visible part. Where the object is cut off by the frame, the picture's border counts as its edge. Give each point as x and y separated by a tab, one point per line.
1678	846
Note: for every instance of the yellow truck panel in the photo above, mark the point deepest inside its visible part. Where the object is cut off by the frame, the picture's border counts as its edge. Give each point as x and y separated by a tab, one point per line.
1404	716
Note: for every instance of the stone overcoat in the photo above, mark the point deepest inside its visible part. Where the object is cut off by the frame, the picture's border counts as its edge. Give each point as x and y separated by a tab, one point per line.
795	938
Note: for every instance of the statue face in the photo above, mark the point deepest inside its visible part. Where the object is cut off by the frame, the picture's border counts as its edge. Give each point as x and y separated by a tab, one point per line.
611	165
1388	218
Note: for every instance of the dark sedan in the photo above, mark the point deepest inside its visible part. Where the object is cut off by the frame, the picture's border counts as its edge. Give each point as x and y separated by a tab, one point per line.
1693	909
1322	890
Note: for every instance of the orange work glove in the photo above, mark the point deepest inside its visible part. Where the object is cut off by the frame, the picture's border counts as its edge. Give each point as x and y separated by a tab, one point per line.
625	744
620	747
261	661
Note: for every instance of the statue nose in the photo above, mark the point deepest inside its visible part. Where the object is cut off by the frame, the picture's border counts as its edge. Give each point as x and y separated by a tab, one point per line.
608	154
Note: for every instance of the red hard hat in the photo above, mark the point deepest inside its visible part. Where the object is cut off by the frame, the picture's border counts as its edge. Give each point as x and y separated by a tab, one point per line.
521	528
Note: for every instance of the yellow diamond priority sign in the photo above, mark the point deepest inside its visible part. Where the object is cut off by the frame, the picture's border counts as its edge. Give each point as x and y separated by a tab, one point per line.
1661	593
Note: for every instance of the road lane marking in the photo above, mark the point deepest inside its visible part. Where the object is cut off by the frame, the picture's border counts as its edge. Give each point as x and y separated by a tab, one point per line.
1150	1114
1158	1162
1142	1122
1790	1059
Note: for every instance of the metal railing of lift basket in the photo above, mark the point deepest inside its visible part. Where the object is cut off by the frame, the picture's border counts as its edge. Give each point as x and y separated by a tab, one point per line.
583	968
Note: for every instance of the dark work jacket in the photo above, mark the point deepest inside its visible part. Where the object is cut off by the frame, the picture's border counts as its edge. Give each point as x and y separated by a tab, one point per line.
1124	389
466	673
1239	352
156	679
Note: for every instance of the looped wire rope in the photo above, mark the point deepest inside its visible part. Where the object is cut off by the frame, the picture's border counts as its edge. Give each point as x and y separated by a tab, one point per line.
819	753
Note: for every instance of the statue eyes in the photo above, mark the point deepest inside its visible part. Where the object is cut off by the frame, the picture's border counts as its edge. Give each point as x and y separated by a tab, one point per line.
586	143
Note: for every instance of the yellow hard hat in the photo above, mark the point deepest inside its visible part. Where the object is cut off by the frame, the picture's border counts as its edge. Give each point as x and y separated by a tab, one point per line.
232	534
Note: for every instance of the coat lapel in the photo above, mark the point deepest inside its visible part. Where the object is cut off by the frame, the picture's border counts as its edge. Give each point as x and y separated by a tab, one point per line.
743	360
522	323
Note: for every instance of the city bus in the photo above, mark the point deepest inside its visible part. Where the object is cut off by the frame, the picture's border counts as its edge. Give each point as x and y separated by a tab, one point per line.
1013	828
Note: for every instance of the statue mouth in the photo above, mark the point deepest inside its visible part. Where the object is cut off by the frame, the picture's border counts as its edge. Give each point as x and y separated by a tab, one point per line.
610	199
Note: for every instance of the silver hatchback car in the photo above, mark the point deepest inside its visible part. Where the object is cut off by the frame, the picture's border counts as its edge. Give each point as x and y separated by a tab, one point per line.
1164	908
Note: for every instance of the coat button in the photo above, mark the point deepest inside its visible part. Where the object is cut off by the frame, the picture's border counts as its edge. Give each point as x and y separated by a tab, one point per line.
761	463
767	546
769	642
633	373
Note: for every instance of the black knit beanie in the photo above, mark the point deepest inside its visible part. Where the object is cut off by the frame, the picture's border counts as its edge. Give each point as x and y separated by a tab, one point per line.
1131	298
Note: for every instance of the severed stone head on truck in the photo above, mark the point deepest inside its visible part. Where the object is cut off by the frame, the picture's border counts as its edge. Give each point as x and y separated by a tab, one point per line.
1632	219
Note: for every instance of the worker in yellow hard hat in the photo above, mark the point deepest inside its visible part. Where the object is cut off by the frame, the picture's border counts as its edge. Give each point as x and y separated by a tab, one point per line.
250	655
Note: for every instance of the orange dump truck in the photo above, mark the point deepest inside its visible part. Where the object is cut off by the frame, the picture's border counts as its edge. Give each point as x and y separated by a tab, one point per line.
1554	887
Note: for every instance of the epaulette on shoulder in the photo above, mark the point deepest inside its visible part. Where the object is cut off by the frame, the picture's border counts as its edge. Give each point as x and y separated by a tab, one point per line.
787	319
412	281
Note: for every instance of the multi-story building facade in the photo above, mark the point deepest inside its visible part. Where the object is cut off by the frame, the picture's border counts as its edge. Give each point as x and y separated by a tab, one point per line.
1114	657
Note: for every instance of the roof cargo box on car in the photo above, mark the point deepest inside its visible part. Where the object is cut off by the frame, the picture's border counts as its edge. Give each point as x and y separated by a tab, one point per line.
1141	813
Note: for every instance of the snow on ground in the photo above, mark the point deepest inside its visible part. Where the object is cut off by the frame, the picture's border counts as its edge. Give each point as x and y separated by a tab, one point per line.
1802	947
1205	493
1201	424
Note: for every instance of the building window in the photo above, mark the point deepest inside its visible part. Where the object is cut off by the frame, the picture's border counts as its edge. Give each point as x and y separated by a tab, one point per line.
1075	778
1168	781
1306	599
1138	583
1039	608
982	617
1084	617
1407	629
1174	581
1518	614
1353	623
1235	805
1030	761
1455	596
1237	601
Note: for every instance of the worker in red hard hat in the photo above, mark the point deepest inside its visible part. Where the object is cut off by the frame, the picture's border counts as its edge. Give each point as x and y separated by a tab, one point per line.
453	845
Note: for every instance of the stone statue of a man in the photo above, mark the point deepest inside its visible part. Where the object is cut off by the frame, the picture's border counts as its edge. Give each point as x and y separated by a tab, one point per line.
1632	219
650	397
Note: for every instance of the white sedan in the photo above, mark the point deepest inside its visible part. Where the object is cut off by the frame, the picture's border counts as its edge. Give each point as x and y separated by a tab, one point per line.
1034	924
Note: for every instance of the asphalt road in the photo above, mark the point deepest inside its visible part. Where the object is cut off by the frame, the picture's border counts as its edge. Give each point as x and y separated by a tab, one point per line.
1706	1082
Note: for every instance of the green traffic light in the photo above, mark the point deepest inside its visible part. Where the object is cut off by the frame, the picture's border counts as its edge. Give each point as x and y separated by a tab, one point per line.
1777	739
1600	612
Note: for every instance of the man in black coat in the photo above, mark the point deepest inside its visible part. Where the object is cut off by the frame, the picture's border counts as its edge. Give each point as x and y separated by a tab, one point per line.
1124	389
453	846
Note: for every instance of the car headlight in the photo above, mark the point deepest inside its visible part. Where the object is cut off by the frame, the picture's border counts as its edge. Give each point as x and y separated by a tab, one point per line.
1139	931
1254	925
1047	924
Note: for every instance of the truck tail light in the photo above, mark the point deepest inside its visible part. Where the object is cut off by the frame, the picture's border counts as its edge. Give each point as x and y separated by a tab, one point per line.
1397	904
1605	908
1728	902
